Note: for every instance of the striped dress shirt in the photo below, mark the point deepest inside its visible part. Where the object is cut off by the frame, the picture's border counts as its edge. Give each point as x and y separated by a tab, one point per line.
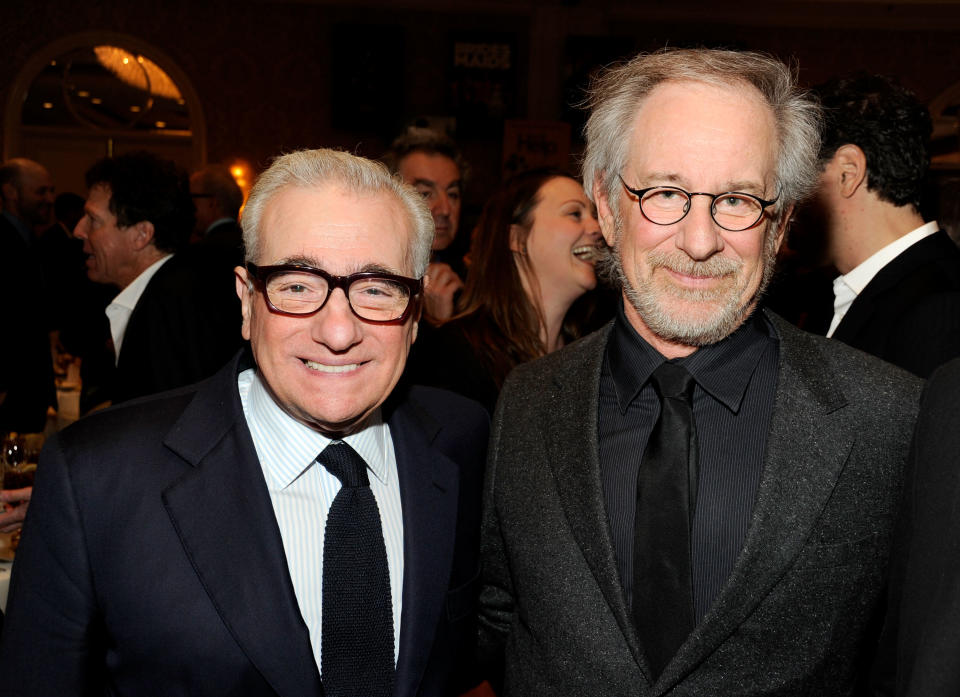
302	491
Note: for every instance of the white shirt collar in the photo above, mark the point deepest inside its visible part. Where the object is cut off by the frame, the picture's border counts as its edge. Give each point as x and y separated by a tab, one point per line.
846	288
858	278
296	446
121	307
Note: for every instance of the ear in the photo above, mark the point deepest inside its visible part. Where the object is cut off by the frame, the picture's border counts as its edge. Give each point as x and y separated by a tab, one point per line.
9	192
142	234
604	212
416	316
516	237
245	293
850	169
783	224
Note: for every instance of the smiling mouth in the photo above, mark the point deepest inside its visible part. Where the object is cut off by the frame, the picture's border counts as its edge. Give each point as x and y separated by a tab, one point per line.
587	252
324	368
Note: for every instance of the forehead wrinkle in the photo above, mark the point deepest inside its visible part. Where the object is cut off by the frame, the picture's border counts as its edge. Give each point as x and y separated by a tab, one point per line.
743	185
315	263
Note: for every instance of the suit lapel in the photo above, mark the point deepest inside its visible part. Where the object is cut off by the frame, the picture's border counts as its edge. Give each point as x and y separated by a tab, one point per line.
429	485
569	422
223	515
809	442
860	311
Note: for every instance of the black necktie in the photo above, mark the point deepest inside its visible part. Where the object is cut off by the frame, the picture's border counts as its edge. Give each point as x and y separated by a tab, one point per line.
662	579
357	625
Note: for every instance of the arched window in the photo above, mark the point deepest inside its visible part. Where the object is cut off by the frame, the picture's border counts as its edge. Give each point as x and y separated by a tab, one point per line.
96	94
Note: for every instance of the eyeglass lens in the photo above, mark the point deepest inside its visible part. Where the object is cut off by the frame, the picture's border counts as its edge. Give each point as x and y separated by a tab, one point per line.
733	211
299	293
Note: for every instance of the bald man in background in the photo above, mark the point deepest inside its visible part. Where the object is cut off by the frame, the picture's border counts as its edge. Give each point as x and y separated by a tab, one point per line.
26	367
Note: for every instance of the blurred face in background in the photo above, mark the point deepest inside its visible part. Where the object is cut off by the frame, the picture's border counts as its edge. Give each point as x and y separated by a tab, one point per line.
558	252
205	204
437	178
32	199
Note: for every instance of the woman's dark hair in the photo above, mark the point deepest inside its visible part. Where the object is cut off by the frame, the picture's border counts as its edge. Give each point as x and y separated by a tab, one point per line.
498	319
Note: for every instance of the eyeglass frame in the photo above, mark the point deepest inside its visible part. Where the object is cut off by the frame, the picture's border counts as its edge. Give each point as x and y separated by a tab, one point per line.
640	193
260	275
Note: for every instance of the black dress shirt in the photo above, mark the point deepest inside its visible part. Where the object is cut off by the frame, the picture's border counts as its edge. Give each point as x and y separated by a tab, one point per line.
732	403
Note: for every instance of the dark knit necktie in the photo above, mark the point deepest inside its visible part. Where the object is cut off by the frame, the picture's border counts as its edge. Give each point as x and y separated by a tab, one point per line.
662	579
357	645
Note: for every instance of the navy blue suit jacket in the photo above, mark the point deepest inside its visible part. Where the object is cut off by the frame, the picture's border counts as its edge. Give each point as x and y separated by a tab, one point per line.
152	563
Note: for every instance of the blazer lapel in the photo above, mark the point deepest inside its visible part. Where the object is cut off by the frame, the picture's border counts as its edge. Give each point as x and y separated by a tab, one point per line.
569	423
223	515
429	484
808	444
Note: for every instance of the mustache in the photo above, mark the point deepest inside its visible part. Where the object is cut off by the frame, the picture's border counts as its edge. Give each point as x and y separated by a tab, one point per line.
714	267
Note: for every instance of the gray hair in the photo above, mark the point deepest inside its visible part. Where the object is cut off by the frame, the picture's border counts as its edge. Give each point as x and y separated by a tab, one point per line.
426	141
358	175
617	93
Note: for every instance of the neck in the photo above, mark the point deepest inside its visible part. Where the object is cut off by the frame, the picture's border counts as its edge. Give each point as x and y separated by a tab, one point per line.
551	331
144	260
868	227
551	309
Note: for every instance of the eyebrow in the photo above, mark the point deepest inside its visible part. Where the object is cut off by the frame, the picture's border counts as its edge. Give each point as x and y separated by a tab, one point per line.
430	182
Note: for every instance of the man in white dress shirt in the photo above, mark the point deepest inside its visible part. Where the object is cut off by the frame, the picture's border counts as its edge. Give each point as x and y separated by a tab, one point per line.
194	543
899	295
174	320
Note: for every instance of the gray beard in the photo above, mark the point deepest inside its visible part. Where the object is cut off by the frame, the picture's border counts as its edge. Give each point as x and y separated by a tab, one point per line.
730	310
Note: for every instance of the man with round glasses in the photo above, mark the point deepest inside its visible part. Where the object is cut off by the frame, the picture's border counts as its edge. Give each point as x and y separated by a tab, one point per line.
697	499
294	525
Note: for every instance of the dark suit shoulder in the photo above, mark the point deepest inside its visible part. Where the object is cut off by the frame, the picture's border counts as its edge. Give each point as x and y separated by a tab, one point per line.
443	403
456	425
138	423
846	365
538	374
882	399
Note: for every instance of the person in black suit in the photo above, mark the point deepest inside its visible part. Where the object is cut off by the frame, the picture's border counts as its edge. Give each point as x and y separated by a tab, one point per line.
217	199
26	367
899	293
175	320
175	545
699	498
923	620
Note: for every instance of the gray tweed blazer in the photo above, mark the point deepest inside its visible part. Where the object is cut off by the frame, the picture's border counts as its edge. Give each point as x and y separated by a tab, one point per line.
796	614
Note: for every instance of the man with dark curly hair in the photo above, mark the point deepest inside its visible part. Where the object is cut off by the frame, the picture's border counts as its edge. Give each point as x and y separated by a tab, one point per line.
899	295
175	319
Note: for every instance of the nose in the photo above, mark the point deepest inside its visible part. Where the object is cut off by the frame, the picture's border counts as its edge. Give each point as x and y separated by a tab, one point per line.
335	326
698	234
591	223
441	204
80	230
